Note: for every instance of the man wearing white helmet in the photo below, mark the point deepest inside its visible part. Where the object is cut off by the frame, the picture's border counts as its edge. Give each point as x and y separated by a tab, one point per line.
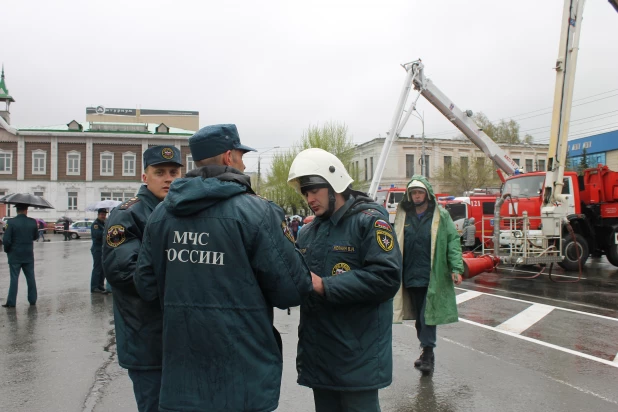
345	332
432	263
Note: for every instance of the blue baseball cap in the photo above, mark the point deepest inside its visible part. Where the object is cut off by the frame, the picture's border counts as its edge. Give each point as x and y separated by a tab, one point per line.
162	154
211	141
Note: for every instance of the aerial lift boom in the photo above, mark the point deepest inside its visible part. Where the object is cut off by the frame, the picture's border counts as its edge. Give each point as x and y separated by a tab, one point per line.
461	119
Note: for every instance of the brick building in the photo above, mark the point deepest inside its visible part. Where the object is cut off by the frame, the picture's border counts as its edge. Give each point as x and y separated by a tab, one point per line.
77	164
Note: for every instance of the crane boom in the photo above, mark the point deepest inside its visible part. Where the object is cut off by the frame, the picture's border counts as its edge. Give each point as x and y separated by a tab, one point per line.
462	120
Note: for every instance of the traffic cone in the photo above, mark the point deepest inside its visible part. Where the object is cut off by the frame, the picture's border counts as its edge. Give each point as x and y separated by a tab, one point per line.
474	266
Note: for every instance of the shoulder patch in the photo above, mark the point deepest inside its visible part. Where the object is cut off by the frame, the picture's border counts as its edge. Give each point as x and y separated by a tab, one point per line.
287	232
129	203
382	224
116	235
385	240
95	226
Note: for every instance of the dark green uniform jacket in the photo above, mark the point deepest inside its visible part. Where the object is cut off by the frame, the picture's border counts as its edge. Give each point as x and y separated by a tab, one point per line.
19	234
97	232
417	250
345	337
219	258
139	324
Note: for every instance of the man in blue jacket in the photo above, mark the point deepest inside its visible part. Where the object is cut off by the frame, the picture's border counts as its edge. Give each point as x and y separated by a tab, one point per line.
19	234
138	323
345	331
219	258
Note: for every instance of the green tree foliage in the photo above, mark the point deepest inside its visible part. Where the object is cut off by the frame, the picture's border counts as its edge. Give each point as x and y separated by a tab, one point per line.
332	137
462	176
503	132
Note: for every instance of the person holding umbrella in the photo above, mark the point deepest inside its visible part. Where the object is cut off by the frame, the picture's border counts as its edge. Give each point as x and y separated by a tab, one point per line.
97	231
19	235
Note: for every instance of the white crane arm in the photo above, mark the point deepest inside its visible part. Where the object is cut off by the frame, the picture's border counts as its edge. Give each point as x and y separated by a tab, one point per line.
463	121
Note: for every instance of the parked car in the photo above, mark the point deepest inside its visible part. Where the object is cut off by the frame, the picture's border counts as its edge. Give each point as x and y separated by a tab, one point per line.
80	229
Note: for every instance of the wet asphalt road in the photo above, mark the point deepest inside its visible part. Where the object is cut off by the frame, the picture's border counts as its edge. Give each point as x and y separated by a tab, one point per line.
521	345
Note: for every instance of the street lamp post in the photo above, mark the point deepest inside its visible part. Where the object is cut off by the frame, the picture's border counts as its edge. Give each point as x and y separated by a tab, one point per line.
422	119
259	167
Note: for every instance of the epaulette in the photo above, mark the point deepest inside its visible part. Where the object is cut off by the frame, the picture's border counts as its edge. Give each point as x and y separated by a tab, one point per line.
129	203
372	212
258	196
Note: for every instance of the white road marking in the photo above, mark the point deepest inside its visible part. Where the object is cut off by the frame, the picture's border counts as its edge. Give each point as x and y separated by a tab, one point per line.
616	358
557	307
586	391
539	342
471	294
526	318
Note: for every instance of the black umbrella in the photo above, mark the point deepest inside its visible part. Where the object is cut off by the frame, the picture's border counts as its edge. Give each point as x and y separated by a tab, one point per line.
26	199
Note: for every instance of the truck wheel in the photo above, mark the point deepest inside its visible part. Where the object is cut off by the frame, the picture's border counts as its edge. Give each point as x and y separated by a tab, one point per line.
612	254
569	251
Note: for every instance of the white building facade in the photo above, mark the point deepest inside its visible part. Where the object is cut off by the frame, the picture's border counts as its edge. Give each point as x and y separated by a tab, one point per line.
405	154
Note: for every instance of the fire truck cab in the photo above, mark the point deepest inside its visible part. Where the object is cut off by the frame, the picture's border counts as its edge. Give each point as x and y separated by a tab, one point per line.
390	198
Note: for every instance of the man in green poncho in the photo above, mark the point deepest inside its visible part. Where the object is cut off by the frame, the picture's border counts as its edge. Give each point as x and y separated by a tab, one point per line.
432	263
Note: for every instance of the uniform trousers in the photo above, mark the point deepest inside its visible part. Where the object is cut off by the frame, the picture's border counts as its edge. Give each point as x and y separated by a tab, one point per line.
344	401
97	279
28	269
146	386
426	334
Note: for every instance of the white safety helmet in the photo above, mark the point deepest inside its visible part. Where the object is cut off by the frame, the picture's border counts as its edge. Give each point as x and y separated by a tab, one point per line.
316	167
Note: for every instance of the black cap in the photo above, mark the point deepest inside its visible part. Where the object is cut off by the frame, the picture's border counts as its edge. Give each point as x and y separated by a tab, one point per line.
102	211
162	154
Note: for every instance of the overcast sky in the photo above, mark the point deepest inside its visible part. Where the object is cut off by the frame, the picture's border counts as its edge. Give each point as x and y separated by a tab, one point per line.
276	67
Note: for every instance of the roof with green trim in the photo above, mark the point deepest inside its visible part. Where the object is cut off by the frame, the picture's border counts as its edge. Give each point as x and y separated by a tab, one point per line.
4	92
87	129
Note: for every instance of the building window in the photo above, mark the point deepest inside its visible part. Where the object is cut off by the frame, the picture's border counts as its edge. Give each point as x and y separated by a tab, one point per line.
541	166
463	161
516	161
409	165
366	170
576	146
106	195
72	205
356	175
371	165
190	163
107	164
426	165
119	196
587	145
528	165
128	164
73	162
6	162
39	163
448	163
40	194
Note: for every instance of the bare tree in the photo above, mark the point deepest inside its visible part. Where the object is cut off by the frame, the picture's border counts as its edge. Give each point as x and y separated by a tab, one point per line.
463	176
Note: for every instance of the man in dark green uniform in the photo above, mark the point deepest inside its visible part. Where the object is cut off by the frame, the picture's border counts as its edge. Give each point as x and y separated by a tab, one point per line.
219	258
345	332
97	232
138	323
19	234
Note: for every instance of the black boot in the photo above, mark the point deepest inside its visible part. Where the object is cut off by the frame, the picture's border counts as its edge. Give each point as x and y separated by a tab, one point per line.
427	360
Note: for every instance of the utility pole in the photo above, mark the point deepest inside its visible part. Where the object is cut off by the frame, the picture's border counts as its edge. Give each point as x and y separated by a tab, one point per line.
260	168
